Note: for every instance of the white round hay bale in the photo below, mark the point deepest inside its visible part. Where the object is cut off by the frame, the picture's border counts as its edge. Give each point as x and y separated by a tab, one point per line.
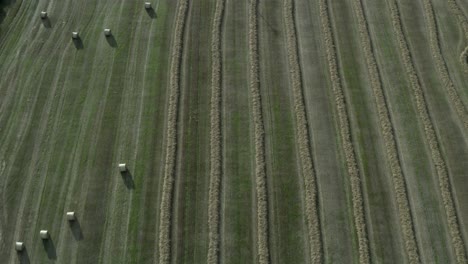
71	216
19	246
44	234
123	167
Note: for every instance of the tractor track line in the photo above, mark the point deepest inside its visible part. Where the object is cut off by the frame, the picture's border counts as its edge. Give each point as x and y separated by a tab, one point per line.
216	158
171	135
431	137
345	133
263	255
306	160
387	130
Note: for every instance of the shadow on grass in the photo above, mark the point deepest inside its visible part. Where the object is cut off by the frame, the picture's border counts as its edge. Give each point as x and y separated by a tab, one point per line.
111	40
128	179
151	13
23	256
76	229
78	43
49	247
46	22
3	5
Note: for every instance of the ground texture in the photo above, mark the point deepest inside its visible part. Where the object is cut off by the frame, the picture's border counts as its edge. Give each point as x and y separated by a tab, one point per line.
254	131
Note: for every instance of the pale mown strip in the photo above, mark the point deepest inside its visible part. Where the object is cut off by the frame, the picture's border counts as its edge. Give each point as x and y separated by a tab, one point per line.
386	126
171	135
422	108
216	136
345	133
440	63
263	255
310	184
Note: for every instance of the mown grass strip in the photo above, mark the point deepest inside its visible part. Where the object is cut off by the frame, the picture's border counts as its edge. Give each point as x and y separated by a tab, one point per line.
431	138
440	63
263	254
216	136
171	135
386	127
310	184
345	133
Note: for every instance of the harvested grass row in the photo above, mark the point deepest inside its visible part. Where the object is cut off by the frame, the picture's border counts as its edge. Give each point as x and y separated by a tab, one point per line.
441	168
171	135
463	21
386	127
310	185
457	11
263	254
440	63
215	137
345	133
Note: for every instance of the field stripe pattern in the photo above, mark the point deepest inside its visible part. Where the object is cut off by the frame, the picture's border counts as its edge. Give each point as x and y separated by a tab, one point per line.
440	63
406	219
171	135
345	133
422	109
263	254
310	185
215	136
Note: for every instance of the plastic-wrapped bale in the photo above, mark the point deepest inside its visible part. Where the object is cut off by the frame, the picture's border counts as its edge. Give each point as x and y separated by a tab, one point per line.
75	35
148	5
71	216
43	15
44	234
19	246
123	167
107	32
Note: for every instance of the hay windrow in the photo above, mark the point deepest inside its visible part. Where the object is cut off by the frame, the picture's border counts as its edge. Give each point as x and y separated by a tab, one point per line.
464	62
345	133
431	138
310	185
171	135
263	254
215	137
442	67
386	127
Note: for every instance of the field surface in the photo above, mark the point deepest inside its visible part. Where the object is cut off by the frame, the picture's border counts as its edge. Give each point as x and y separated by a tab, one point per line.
254	131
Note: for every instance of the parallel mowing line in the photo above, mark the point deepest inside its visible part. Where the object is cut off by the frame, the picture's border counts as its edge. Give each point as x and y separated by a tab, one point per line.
345	131
440	63
406	219
171	136
263	254
311	195
422	108
215	137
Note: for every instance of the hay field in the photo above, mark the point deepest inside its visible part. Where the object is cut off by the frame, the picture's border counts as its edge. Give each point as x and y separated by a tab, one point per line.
254	131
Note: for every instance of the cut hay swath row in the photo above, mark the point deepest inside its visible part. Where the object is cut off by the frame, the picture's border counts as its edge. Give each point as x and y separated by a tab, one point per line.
345	133
263	254
215	137
310	184
171	135
386	127
440	63
463	21
422	109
